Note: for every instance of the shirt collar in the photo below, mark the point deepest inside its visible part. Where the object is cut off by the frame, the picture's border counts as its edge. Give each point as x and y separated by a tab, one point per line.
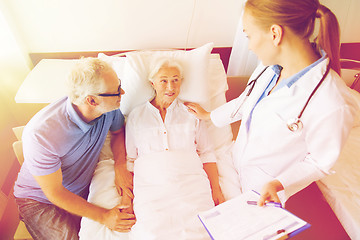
170	108
277	69
75	118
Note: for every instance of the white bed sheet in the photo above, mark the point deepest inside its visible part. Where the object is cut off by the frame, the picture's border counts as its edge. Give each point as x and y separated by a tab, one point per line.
170	189
102	193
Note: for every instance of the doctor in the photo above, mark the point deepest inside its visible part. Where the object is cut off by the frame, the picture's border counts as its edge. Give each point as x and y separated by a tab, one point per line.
297	112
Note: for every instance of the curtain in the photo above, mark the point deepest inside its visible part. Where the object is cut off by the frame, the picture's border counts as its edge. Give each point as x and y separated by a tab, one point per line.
242	61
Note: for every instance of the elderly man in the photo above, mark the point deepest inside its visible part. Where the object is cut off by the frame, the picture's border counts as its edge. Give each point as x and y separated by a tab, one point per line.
61	146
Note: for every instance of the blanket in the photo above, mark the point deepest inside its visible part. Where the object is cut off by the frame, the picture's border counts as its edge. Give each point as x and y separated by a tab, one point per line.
102	193
170	189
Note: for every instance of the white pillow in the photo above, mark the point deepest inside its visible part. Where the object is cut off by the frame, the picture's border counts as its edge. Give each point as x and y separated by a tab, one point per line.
137	90
195	66
134	70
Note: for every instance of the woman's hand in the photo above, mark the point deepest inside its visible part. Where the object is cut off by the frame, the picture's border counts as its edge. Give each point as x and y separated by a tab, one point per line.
217	196
198	111
269	192
123	180
126	204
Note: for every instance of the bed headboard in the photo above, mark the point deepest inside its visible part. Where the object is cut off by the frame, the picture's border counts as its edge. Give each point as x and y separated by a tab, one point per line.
36	57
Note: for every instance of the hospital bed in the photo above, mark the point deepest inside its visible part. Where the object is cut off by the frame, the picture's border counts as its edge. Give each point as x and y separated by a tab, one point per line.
341	190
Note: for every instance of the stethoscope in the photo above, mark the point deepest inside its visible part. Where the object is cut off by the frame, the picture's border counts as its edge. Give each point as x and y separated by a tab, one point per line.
293	124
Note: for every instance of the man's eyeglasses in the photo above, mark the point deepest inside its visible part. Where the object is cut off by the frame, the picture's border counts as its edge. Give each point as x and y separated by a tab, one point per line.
111	94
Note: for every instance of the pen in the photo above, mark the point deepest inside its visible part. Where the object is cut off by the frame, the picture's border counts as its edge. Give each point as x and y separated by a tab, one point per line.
278	232
282	231
272	204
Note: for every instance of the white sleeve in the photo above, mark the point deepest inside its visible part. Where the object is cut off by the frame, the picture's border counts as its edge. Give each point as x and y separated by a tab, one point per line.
223	115
204	147
322	151
130	139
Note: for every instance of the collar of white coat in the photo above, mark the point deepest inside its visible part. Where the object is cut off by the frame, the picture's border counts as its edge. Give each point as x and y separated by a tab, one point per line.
291	80
306	81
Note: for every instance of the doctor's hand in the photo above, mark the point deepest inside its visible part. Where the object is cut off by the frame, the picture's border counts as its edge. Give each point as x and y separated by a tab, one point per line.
118	221
123	180
269	192
197	110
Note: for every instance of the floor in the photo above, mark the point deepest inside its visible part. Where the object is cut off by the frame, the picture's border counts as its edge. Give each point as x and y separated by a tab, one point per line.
21	233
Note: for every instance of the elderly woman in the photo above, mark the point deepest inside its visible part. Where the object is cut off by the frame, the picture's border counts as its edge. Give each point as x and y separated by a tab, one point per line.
168	149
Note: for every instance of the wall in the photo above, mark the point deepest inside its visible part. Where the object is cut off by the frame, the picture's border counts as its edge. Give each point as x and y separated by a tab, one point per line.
12	66
13	69
85	25
347	12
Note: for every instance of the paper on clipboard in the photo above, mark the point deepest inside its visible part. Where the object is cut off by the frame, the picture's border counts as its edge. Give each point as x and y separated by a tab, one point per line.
236	219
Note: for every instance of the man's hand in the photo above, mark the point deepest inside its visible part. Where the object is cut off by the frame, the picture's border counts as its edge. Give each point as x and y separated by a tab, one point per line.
269	192
123	181
117	220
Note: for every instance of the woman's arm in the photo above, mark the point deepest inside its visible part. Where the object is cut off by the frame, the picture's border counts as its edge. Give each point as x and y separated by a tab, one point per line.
123	178
323	151
213	175
205	150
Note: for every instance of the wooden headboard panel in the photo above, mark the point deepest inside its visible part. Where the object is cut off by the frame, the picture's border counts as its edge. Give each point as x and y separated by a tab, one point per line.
347	50
36	57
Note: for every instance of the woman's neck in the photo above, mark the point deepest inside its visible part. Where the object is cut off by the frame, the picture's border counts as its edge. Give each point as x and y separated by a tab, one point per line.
297	56
161	106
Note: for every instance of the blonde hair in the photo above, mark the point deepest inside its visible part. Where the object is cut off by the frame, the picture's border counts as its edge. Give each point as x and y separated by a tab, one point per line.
299	16
86	78
164	62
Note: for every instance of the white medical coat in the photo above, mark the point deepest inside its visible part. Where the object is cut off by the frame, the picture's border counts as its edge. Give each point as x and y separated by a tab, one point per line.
269	150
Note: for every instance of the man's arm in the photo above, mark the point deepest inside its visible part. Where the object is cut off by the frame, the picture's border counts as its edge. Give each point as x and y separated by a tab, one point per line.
52	187
123	178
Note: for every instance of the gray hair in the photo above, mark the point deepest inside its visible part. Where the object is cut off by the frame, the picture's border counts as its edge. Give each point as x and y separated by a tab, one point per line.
86	78
164	62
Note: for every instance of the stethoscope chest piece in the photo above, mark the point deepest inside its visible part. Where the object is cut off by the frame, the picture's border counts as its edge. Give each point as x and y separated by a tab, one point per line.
294	124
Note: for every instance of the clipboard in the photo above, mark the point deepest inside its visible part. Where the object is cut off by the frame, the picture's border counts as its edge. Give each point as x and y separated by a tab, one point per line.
239	218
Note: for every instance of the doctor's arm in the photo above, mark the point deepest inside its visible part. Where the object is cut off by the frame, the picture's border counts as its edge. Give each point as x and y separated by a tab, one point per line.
53	189
324	139
221	116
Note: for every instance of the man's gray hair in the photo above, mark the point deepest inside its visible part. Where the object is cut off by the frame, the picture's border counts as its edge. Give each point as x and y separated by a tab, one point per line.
164	62
86	78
